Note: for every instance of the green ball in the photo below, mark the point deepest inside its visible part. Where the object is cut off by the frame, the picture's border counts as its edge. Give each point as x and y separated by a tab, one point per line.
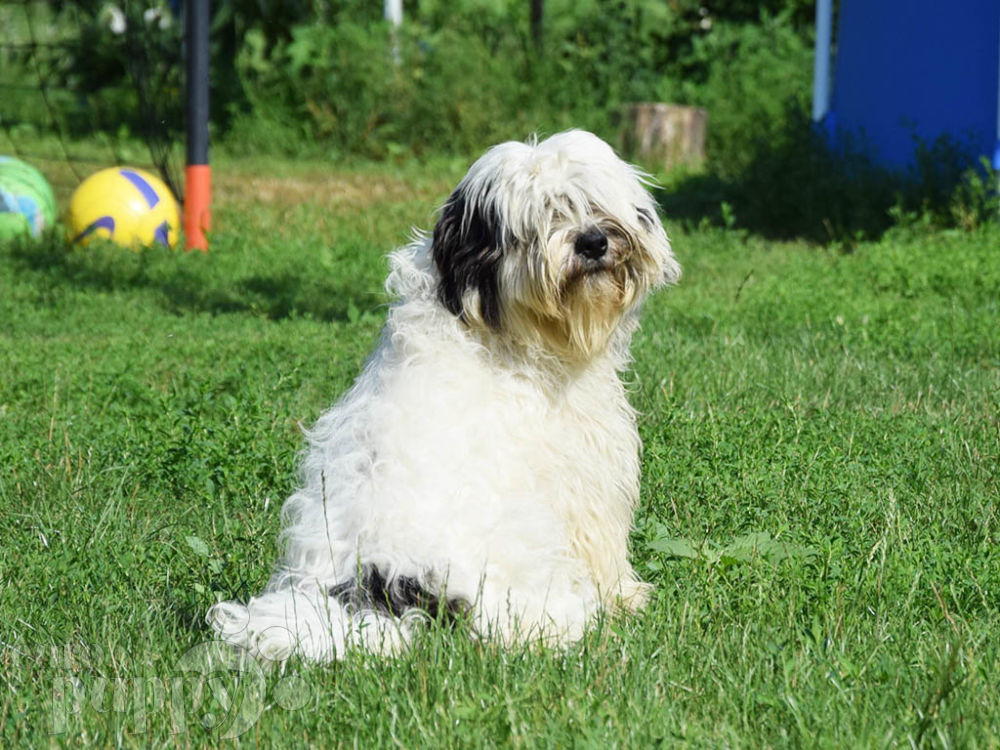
27	205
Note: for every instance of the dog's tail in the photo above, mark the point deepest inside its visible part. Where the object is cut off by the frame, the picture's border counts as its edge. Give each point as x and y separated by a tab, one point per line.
310	623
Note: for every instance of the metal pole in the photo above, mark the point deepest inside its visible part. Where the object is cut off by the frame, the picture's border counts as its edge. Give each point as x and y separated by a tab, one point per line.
393	11
537	19
996	148
821	62
197	173
995	161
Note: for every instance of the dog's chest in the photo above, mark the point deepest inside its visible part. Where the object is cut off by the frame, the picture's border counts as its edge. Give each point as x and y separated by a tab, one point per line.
524	430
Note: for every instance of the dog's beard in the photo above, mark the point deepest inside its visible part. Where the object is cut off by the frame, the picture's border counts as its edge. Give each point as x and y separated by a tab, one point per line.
570	305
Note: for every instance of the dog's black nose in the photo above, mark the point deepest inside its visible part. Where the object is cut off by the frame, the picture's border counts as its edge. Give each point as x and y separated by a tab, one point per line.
591	244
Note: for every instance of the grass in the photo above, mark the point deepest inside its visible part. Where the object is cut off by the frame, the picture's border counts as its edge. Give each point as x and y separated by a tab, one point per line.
819	500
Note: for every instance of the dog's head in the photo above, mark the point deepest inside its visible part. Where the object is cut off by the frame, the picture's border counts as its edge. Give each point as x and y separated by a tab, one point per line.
552	243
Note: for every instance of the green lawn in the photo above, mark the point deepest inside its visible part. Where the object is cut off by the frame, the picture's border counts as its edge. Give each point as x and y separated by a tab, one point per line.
819	505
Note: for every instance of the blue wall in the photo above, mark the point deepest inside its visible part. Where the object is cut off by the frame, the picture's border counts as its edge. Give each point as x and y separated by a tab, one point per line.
924	68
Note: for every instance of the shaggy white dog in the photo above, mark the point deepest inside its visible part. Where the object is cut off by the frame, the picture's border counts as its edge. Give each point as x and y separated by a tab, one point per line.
486	462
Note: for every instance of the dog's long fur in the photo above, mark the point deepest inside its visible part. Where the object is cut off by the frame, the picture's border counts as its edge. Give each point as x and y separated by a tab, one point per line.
486	461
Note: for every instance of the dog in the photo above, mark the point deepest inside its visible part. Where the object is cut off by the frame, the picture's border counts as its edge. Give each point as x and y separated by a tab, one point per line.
485	464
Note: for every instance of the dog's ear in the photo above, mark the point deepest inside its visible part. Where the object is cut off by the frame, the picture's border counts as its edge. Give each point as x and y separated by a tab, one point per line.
467	249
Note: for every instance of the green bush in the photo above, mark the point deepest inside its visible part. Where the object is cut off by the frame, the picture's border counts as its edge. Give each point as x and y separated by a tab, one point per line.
759	77
371	91
798	185
458	82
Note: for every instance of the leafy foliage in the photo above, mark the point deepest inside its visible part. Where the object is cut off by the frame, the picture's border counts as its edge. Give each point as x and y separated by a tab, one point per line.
455	80
797	185
742	549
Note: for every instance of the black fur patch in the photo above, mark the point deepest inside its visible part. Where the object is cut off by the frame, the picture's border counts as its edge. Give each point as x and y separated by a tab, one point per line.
467	248
646	219
394	597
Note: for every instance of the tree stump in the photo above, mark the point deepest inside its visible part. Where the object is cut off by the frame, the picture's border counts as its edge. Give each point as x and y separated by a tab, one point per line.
667	135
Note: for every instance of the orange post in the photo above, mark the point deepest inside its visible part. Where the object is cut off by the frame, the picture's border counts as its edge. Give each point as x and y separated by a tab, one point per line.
197	175
197	205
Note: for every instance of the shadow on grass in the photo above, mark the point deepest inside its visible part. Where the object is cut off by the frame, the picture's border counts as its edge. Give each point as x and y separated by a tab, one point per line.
800	188
194	282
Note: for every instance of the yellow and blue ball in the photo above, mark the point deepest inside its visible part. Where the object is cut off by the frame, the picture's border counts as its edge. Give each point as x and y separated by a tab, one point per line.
27	205
128	206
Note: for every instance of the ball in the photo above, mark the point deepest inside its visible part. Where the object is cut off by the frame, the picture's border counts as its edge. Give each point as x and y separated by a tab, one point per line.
128	206
27	205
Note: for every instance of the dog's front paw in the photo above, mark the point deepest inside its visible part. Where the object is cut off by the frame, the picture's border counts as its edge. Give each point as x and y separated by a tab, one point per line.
274	626
634	595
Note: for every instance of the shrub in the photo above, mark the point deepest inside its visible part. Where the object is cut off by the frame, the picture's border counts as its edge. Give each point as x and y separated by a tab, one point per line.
798	185
758	77
367	90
